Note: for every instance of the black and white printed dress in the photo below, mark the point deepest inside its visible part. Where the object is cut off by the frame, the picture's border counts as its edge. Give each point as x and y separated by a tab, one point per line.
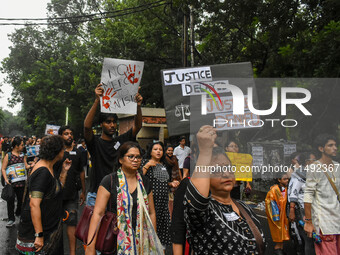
214	228
159	178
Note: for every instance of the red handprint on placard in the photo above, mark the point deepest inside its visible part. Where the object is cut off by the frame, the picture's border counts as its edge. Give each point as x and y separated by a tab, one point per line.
108	97
131	75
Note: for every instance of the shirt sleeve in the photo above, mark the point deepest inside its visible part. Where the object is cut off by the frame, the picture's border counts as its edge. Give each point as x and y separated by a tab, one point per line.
196	207
311	185
40	182
128	136
106	182
186	163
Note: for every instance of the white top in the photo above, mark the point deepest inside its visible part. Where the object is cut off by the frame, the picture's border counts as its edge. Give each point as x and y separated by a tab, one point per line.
319	192
181	154
296	189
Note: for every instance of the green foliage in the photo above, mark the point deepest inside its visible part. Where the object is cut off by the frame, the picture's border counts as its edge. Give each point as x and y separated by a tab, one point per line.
58	67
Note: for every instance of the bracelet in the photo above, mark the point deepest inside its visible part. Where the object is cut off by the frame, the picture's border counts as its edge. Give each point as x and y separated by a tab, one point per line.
308	219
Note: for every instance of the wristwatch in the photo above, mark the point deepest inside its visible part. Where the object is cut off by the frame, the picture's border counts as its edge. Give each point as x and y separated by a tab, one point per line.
40	234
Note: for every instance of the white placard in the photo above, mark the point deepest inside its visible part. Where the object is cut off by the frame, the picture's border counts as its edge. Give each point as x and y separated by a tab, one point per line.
182	76
288	149
120	79
257	151
202	88
51	129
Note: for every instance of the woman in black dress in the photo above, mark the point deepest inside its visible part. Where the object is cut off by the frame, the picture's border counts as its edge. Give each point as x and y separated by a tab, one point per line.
155	169
40	227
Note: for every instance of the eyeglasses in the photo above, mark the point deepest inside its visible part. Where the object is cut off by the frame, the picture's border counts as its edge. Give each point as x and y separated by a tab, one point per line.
132	158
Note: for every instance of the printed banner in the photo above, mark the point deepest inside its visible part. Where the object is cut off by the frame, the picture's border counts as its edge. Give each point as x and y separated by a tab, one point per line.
121	79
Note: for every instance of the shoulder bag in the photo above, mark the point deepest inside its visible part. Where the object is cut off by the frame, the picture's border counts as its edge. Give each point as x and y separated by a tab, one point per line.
107	228
253	227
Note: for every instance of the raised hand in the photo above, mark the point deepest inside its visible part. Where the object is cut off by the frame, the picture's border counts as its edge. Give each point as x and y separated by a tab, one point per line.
131	74
138	98
108	97
99	91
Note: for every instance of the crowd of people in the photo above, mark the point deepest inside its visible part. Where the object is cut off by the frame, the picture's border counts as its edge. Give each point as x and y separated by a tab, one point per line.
162	200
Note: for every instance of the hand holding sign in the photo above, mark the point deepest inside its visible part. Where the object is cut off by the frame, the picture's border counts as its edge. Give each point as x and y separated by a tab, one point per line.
138	98
107	97
99	91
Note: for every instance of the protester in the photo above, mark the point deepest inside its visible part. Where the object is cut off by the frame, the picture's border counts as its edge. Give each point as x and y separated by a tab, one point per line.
178	228
276	201
216	223
5	147
75	175
16	177
232	146
172	166
136	235
40	227
322	199
296	192
155	169
181	152
104	149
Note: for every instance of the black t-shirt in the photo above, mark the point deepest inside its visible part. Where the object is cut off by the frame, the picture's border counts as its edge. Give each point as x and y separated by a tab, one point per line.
104	156
42	182
70	191
106	183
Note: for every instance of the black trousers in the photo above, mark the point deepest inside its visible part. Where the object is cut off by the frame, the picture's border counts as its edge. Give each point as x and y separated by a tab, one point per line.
19	192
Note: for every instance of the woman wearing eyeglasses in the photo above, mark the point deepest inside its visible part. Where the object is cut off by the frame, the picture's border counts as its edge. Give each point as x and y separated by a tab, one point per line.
131	190
155	169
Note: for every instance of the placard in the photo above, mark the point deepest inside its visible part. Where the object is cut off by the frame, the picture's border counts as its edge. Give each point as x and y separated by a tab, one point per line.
121	79
51	129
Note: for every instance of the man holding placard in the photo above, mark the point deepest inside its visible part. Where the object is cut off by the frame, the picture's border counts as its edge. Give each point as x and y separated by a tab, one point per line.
104	149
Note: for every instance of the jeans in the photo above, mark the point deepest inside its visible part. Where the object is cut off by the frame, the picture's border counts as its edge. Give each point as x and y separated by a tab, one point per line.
91	198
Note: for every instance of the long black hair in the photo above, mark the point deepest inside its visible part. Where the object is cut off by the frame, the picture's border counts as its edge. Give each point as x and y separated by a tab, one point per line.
149	150
16	142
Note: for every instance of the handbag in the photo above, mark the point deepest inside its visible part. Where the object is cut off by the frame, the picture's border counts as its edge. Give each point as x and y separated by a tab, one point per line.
7	193
106	228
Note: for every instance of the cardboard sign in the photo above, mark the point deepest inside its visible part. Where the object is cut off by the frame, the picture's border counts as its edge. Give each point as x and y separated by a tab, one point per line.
243	163
183	89
121	79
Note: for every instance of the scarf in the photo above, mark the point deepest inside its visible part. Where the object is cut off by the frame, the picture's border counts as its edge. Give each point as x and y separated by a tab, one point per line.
144	239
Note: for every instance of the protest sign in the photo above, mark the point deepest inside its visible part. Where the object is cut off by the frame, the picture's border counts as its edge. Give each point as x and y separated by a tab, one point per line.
243	163
184	88
32	151
51	129
121	79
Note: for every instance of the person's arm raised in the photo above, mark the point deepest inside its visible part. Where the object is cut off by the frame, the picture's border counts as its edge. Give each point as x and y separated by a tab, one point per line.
88	134
201	179
137	125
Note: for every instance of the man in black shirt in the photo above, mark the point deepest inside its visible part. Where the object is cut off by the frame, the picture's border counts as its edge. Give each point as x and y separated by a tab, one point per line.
70	190
104	149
